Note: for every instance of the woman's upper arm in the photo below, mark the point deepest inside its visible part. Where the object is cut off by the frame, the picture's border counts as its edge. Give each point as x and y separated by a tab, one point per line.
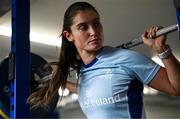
161	82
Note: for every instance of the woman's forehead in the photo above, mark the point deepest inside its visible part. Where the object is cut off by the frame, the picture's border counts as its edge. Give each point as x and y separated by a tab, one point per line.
84	16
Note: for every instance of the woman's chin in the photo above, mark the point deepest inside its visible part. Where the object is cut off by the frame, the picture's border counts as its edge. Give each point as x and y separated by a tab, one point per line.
96	47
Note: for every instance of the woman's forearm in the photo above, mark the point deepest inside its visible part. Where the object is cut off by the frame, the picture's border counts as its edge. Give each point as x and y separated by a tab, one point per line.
172	66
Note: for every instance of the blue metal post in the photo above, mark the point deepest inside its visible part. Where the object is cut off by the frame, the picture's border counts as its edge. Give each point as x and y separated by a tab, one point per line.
178	19
20	48
177	6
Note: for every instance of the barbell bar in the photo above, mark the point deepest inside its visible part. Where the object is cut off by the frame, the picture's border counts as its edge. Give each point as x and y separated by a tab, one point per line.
139	40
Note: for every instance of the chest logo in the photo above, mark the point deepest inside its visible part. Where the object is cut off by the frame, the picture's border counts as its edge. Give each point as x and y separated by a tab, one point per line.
88	93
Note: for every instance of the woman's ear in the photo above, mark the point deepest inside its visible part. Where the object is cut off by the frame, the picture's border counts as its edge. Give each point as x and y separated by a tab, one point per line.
68	36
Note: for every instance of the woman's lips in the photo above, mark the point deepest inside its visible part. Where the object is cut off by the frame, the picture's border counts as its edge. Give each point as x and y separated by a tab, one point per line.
94	40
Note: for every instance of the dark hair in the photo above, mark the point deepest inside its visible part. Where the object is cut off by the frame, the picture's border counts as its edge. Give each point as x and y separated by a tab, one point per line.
68	59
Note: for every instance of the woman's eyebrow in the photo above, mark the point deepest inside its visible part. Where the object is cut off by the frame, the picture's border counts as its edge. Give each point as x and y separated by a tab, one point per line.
84	23
97	19
81	24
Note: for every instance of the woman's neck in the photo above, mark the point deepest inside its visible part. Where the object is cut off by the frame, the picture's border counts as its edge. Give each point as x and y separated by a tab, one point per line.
88	57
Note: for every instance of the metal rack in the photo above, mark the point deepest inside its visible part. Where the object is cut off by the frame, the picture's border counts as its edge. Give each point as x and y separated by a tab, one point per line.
19	64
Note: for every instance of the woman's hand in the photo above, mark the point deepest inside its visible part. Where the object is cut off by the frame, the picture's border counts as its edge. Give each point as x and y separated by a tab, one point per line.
149	38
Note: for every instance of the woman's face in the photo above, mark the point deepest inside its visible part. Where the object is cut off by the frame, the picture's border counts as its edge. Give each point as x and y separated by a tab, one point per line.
87	31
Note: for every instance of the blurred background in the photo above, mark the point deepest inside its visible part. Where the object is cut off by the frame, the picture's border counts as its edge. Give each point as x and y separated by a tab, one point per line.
123	20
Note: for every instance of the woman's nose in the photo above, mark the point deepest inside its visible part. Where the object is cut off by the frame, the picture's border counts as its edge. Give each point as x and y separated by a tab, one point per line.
92	30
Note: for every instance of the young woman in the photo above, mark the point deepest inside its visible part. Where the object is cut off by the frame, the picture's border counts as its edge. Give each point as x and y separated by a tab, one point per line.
110	79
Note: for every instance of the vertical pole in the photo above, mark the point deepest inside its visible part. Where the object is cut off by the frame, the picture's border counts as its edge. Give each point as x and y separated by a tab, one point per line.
178	20
20	48
177	6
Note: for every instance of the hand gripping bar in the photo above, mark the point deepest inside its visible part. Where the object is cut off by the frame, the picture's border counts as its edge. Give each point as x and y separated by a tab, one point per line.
139	40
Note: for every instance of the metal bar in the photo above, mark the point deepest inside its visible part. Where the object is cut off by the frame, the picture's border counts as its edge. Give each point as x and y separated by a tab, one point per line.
139	40
20	47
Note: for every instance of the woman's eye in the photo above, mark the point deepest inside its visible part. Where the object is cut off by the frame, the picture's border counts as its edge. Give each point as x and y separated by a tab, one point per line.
83	28
96	24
